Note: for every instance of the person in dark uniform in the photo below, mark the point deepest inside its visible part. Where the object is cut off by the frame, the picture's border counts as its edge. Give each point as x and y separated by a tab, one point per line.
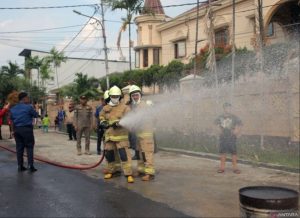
22	115
100	130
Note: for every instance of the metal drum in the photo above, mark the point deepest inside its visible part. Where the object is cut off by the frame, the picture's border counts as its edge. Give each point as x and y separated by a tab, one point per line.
268	201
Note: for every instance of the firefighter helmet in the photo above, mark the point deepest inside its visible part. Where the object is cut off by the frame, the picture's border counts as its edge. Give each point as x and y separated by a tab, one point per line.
106	95
115	91
134	89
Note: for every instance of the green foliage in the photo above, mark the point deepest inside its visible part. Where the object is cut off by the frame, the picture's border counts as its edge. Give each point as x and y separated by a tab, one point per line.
131	6
171	74
82	86
12	79
151	75
56	57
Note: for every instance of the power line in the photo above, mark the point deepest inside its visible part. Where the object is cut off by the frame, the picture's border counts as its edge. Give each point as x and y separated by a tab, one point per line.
83	40
78	32
38	30
48	7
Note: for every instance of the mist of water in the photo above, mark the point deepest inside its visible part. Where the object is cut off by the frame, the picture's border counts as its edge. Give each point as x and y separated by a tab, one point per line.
265	101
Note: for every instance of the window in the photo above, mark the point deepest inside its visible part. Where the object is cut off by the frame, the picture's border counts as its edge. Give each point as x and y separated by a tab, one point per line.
156	56
137	59
180	50
145	58
270	31
221	38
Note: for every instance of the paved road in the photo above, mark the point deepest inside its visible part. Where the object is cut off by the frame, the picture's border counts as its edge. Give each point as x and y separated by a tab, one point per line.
55	192
185	183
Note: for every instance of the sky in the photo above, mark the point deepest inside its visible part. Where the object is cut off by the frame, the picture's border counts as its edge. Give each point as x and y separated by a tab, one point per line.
88	44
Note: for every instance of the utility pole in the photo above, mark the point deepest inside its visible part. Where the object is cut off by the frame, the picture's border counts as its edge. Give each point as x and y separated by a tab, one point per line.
196	38
105	45
260	61
233	52
129	29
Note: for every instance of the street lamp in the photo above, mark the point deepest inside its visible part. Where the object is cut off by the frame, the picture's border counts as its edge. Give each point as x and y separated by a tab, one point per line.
104	41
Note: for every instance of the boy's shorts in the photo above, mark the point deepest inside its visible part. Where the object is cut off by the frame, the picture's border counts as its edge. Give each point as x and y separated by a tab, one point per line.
228	144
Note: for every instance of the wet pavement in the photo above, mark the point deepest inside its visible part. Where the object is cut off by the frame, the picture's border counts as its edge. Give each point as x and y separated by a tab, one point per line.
56	192
185	183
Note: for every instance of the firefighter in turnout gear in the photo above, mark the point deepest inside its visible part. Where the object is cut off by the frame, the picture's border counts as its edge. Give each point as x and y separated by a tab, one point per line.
145	136
117	165
116	136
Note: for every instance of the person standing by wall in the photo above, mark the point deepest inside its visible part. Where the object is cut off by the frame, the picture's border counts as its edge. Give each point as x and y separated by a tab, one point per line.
83	121
230	127
22	116
69	123
61	117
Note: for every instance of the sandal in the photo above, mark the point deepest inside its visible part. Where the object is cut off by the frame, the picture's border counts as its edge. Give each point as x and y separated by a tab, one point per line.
220	171
236	171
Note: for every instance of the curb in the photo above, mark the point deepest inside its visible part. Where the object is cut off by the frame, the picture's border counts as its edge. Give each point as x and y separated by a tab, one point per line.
216	157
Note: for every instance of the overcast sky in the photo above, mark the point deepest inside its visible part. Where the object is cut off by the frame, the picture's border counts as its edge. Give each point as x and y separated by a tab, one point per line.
87	45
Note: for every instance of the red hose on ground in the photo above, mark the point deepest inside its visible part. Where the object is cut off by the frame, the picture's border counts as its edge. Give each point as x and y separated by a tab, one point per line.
74	167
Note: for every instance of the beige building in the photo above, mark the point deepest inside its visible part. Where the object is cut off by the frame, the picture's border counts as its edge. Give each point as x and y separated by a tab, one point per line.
161	39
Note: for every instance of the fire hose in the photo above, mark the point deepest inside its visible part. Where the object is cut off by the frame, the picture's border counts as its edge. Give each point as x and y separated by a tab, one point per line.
57	164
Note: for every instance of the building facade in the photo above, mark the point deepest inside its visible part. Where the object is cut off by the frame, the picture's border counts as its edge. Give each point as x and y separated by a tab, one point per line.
161	39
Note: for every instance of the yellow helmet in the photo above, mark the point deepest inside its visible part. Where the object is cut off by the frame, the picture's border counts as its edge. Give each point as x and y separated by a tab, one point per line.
114	91
106	95
133	89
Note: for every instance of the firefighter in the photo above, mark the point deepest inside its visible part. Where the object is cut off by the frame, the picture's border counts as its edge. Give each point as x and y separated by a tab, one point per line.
145	136
116	136
106	97
117	158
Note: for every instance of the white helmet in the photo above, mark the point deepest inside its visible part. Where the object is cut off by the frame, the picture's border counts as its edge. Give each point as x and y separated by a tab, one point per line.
115	91
134	88
106	94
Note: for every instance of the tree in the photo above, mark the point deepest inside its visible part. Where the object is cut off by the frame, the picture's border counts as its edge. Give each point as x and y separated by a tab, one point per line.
132	7
151	76
56	58
170	74
12	70
82	86
45	70
116	79
9	79
34	63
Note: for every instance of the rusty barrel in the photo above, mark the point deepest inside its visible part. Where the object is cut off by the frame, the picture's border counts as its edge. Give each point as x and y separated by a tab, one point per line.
268	201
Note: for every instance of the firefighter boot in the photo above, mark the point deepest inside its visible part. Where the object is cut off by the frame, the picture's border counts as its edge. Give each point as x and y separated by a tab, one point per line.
109	175
147	178
130	179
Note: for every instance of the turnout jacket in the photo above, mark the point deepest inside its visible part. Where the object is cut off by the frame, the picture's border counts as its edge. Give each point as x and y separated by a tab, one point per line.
113	114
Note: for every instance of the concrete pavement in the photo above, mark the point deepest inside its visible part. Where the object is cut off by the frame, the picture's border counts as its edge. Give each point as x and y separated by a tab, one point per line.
188	184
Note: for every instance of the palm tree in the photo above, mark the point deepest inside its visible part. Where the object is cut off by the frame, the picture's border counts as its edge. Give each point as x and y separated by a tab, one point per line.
34	63
12	70
45	70
82	85
56	58
132	7
9	79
